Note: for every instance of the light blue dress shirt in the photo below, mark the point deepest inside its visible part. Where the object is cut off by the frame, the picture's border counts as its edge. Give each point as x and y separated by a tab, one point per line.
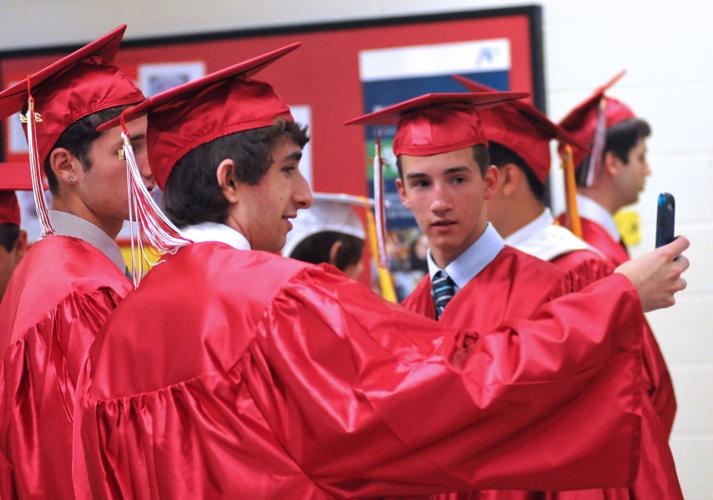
475	258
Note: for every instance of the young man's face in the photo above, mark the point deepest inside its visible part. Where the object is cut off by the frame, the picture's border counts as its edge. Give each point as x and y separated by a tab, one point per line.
102	188
447	195
631	179
263	211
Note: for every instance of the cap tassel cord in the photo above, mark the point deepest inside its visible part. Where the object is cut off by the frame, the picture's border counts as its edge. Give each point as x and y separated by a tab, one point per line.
380	256
570	187
152	228
595	159
35	167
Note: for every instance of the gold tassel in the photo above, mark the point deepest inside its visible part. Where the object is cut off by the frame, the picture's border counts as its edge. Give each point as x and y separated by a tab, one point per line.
570	188
386	284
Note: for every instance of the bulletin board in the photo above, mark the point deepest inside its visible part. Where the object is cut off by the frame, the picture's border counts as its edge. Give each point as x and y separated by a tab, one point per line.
342	70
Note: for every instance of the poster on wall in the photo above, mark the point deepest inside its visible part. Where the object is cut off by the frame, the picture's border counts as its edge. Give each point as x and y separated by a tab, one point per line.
341	70
155	78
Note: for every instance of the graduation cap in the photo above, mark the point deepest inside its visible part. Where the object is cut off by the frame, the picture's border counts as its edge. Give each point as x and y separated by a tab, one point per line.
78	85
438	122
13	177
197	112
589	121
329	212
523	129
183	118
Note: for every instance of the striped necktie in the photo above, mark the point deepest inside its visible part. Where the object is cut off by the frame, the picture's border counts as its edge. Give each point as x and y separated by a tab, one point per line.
442	290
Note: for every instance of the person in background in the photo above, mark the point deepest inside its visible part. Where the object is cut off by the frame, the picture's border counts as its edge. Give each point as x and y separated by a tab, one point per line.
330	232
70	281
13	239
608	179
614	174
519	145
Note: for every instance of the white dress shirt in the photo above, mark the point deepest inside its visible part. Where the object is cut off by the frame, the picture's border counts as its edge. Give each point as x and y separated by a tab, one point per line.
473	260
214	231
543	239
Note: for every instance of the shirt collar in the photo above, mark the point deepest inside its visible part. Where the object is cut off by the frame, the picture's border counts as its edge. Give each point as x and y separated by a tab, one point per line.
526	232
66	224
476	258
545	240
214	231
595	212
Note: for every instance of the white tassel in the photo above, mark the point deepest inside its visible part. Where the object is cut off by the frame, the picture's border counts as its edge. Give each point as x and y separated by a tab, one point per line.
36	170
595	160
379	213
152	228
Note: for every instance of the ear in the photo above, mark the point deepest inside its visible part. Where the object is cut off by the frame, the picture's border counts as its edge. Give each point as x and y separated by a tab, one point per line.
511	180
490	179
227	180
401	188
20	246
334	252
65	166
611	164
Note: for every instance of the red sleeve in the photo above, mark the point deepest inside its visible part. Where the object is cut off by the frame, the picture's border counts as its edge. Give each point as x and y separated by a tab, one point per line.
583	267
658	380
39	373
400	384
341	394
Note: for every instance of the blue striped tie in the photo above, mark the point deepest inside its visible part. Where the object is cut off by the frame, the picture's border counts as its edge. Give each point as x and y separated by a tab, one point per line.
442	290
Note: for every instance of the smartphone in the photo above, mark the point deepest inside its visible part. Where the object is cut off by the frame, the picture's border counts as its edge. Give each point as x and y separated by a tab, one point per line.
665	215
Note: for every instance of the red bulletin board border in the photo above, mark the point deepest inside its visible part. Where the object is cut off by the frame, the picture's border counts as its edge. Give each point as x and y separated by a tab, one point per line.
324	72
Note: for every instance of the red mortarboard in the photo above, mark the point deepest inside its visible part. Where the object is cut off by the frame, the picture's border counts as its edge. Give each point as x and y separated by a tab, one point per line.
76	86
436	123
522	128
13	177
195	113
581	122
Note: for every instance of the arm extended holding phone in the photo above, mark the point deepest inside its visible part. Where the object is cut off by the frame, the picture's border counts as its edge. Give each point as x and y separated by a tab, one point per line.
657	274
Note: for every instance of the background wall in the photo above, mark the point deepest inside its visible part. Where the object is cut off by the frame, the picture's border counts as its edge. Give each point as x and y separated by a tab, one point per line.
667	50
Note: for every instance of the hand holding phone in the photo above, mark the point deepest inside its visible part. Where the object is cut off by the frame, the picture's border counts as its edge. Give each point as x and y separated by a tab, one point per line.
665	216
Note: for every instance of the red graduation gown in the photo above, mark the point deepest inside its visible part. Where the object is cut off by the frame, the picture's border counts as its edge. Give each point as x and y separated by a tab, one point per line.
658	377
514	285
598	237
240	374
58	298
586	267
583	266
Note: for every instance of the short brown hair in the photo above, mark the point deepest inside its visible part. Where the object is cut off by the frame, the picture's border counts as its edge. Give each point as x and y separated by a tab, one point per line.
192	193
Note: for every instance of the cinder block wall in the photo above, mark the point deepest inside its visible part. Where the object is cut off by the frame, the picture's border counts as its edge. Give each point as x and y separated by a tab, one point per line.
668	83
667	49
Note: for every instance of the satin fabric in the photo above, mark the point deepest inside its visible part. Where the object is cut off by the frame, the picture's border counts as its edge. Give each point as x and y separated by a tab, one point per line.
514	285
531	283
254	376
658	376
586	267
583	266
58	298
657	477
599	238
